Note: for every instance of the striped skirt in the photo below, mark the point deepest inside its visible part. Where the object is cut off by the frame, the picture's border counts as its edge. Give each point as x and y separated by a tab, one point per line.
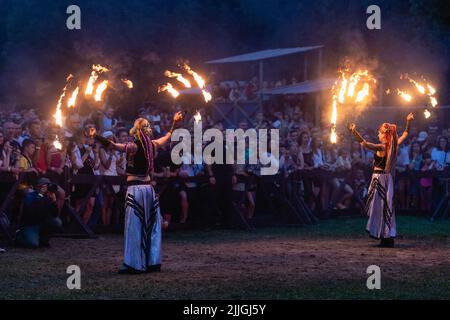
142	228
380	207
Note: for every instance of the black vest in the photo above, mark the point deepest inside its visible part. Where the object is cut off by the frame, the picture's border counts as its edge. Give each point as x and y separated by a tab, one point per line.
137	164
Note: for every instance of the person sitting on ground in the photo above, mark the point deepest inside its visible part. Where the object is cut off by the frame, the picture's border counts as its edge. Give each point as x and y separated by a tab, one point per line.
40	216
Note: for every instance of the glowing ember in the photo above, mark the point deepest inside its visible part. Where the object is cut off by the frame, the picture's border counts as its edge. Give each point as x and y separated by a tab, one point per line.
128	83
169	88
73	98
100	89
200	82
404	95
427	114
197	117
179	77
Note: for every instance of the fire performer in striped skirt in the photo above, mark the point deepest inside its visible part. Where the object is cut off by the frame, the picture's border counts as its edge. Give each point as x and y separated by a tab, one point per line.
380	206
142	214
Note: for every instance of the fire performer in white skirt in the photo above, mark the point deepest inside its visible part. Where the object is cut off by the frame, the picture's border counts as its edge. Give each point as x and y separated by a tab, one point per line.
142	214
380	206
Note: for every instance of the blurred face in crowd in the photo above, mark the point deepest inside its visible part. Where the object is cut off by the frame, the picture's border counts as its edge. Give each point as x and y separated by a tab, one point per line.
243	125
75	123
29	149
17	130
415	148
304	139
35	129
109	112
443	144
123	137
43	189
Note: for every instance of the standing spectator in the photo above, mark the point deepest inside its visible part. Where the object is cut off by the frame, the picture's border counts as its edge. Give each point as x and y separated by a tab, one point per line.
108	166
107	120
441	154
415	164
235	93
426	183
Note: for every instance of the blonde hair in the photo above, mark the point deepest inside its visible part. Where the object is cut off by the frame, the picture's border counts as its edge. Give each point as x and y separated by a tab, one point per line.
141	124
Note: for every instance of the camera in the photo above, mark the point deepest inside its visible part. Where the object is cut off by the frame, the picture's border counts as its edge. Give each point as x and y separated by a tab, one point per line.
52	187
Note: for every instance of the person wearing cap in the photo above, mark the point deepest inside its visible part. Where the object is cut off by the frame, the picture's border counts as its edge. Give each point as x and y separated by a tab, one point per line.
39	218
422	138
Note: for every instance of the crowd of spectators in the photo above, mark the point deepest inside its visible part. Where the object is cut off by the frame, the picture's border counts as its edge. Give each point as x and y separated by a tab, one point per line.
331	177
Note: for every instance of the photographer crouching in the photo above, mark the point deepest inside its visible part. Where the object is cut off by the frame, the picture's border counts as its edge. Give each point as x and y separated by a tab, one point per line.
39	219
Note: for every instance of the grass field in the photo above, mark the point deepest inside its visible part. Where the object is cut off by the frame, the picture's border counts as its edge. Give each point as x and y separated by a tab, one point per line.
326	261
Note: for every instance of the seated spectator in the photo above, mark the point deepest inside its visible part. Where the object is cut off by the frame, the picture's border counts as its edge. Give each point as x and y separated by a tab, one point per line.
40	216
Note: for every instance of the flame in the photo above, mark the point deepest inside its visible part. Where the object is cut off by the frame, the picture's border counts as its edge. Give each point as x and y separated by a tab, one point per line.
364	92
344	91
96	69
427	114
388	91
179	77
197	117
100	89
57	144
431	90
207	95
73	98
404	95
433	102
99	68
200	82
169	88
90	85
128	83
333	136
58	113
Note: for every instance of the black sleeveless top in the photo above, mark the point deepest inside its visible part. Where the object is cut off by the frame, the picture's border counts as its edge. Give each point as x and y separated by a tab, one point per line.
379	162
137	164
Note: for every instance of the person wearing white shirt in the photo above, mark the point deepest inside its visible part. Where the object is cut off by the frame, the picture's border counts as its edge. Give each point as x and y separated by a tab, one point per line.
441	154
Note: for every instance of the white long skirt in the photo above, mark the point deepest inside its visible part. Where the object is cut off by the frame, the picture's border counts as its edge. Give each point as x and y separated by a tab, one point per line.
380	207
142	228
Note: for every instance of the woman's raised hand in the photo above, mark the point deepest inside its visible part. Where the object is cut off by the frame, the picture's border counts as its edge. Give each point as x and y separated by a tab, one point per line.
410	117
